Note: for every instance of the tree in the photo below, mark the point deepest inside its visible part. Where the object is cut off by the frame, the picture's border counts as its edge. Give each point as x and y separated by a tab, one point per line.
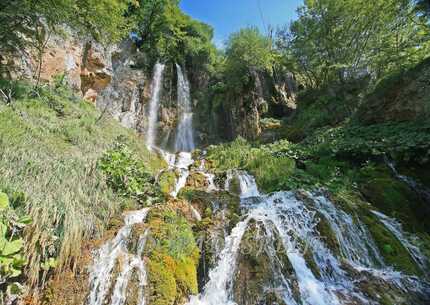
247	50
31	23
333	41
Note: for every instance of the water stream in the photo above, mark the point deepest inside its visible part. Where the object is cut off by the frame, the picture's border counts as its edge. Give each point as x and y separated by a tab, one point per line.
295	222
417	187
115	264
318	273
154	105
184	135
407	241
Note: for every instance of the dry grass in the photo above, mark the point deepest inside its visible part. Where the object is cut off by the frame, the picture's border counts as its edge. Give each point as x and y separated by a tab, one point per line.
48	150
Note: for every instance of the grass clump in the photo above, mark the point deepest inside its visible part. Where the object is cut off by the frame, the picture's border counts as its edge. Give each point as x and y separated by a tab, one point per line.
50	144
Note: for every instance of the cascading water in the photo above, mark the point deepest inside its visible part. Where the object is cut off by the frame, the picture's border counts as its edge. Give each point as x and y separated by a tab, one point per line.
354	239
115	263
396	228
418	188
184	135
154	105
295	222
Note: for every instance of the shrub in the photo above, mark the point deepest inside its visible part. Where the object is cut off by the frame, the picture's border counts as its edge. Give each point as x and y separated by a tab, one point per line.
128	176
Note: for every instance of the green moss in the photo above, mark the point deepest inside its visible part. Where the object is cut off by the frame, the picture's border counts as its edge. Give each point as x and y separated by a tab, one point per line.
392	250
175	252
162	284
166	181
328	235
185	275
394	198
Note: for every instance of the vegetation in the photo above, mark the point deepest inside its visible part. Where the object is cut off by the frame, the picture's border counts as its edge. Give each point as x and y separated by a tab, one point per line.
334	41
12	256
173	257
247	51
165	33
59	139
128	175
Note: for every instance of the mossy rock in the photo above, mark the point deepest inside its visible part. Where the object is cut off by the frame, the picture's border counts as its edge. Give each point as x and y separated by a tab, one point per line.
254	280
392	251
197	180
167	181
395	199
185	274
173	252
162	284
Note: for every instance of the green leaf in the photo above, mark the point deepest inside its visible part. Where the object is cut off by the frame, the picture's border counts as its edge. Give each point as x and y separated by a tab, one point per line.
12	247
25	220
4	201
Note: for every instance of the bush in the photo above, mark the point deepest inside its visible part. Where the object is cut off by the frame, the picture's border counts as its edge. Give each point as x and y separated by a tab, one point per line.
128	175
272	171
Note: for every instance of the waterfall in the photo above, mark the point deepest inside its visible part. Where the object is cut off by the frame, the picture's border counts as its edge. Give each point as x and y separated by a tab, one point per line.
354	239
396	228
154	105
184	135
115	263
418	188
295	222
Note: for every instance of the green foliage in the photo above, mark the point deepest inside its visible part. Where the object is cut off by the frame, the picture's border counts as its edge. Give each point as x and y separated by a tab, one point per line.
128	176
105	20
166	33
12	259
272	171
338	40
59	138
401	140
247	50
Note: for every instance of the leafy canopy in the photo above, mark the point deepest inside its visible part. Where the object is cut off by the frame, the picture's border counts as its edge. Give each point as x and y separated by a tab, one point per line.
339	40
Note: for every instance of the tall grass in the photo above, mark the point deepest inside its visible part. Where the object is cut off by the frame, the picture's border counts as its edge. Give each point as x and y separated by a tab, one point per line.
49	147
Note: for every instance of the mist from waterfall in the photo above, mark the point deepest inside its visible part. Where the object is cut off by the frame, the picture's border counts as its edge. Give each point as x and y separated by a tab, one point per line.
154	105
184	135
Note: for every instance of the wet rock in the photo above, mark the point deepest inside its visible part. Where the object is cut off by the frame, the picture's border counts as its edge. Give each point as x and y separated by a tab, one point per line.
262	267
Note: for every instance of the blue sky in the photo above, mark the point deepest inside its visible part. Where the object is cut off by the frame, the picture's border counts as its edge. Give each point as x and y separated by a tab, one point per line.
228	16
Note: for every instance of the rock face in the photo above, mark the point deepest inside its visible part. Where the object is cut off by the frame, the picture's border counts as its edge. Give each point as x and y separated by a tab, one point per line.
87	65
127	90
239	112
404	97
100	74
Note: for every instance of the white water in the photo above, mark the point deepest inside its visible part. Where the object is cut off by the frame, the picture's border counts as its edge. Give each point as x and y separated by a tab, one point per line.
218	289
282	214
180	163
184	135
353	238
420	189
396	228
113	254
154	105
247	184
209	176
